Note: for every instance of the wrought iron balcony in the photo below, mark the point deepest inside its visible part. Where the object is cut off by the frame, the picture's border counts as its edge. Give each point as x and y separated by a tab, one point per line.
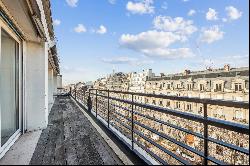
160	135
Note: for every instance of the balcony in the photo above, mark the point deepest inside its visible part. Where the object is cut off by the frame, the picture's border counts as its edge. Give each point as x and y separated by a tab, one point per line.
141	133
71	138
164	136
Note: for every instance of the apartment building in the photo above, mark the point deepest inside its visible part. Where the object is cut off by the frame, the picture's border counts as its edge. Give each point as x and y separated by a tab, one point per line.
29	68
225	84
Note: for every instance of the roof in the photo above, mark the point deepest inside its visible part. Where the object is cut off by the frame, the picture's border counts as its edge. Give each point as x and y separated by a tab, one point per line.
244	71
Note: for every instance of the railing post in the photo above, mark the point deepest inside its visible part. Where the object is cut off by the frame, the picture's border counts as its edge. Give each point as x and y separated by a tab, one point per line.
108	110
83	98
89	102
132	121
205	135
96	102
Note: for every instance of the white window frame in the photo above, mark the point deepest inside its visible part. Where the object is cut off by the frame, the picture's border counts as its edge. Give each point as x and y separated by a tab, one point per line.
15	136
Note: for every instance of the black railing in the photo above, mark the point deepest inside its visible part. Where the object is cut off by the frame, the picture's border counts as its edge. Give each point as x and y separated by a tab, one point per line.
164	135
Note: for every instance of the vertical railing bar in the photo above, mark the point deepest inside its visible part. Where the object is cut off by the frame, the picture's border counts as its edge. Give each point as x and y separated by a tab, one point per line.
108	110
96	103
75	93
205	135
132	121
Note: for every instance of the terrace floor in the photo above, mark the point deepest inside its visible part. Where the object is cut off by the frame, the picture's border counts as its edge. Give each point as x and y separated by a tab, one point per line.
71	139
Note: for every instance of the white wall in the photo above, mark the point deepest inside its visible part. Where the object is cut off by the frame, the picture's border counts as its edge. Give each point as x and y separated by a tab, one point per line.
36	88
50	88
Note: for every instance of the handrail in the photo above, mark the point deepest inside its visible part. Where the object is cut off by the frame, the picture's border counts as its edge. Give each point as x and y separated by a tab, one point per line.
100	101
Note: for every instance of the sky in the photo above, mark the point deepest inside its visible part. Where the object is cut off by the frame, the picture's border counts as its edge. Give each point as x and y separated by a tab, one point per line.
95	37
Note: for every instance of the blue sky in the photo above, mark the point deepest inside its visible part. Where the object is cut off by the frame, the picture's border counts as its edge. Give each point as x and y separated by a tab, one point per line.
96	36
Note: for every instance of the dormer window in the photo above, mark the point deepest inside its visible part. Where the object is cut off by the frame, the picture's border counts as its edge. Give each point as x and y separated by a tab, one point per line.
202	87
238	87
218	87
178	86
189	86
168	86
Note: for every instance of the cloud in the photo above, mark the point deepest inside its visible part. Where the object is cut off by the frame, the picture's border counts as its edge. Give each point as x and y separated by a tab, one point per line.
112	1
191	12
56	22
141	7
212	34
178	25
126	60
155	44
72	3
102	30
80	28
212	14
233	13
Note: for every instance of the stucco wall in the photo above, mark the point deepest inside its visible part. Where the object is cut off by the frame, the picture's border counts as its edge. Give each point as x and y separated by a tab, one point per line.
36	87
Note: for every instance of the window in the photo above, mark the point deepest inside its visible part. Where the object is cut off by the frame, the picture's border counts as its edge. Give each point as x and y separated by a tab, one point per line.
189	107
168	86
238	87
160	103
178	86
189	86
154	102
218	87
168	104
9	86
178	105
202	87
200	110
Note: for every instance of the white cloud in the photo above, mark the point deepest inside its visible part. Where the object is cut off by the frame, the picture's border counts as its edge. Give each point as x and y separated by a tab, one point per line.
80	28
148	40
56	22
155	44
126	60
178	25
168	53
212	14
72	3
191	12
102	30
212	34
233	13
141	7
112	1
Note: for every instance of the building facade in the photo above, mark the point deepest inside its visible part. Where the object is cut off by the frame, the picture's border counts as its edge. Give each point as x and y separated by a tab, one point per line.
29	68
224	84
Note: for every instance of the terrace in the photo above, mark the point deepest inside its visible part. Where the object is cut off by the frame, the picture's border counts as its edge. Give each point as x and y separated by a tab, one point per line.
111	127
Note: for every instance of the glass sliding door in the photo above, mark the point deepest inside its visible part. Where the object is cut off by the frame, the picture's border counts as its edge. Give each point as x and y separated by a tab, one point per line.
9	86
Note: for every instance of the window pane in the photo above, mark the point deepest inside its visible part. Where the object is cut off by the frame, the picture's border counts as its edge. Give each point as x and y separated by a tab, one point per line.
9	120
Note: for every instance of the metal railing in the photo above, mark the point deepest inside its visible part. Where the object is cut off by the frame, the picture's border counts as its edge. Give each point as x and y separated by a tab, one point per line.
163	135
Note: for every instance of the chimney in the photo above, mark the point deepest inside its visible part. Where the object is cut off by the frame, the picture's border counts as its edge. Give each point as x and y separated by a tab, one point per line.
187	72
227	67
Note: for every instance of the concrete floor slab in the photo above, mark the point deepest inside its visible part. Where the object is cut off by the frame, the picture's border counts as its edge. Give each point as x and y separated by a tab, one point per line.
71	139
21	152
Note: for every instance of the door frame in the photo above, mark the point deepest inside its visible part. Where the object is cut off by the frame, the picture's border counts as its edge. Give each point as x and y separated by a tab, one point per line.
18	86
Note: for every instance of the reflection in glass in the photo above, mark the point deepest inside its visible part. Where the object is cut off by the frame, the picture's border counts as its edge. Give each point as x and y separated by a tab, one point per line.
8	86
